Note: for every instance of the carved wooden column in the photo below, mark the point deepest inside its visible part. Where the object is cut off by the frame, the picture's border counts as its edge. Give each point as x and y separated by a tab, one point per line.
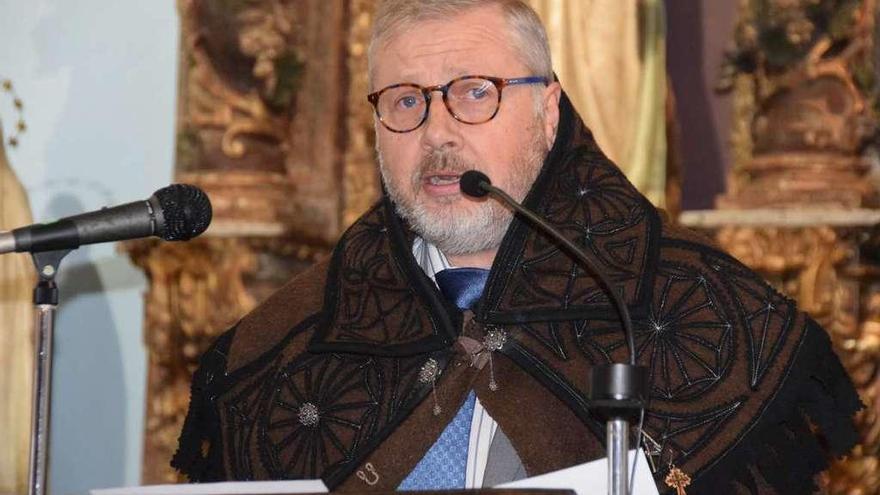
273	123
805	103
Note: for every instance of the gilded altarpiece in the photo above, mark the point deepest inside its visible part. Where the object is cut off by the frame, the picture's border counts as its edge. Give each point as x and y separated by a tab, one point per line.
273	124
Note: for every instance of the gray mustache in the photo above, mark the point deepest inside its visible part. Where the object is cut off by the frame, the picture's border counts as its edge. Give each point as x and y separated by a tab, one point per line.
441	161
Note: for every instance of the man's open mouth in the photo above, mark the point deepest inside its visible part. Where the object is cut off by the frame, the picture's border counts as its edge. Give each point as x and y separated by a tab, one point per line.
443	180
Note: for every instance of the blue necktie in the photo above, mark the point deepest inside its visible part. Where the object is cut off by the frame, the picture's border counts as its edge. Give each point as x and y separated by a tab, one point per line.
444	466
462	286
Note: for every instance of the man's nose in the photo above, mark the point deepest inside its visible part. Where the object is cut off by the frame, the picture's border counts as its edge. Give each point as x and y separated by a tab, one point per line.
441	130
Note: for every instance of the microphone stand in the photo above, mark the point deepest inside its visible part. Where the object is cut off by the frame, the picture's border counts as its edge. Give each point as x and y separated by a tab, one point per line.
178	212
618	391
617	395
45	304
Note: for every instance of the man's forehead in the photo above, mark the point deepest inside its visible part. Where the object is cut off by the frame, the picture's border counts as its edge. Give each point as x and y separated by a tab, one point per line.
442	73
433	49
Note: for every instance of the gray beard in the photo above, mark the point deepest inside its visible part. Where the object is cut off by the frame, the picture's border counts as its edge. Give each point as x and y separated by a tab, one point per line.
478	229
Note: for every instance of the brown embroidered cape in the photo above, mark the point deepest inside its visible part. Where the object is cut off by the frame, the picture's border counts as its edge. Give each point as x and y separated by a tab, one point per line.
323	380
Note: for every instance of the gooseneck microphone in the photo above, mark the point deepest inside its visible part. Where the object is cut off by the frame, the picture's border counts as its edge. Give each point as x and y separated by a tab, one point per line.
178	212
477	184
618	391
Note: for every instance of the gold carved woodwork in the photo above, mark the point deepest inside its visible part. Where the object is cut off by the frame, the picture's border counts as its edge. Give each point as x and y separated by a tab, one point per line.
220	111
825	268
274	125
273	113
800	126
361	183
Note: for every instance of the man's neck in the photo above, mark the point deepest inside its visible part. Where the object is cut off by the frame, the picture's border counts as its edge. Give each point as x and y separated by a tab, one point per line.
482	259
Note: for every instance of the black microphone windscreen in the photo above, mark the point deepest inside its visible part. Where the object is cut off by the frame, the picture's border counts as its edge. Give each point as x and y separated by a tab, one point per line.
186	210
471	183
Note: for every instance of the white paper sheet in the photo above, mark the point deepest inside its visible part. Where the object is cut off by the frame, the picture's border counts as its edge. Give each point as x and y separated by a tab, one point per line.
229	488
590	478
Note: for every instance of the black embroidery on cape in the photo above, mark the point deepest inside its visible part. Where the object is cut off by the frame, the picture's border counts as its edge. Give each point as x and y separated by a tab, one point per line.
685	341
358	400
378	301
349	395
683	434
766	313
592	203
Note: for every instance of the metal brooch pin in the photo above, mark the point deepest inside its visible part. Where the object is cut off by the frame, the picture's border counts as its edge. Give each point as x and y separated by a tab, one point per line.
428	374
494	341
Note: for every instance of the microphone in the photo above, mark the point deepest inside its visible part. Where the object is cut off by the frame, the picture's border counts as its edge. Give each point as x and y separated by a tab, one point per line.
177	212
477	184
617	391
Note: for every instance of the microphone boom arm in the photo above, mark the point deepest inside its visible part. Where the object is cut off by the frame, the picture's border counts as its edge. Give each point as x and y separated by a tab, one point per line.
617	391
578	253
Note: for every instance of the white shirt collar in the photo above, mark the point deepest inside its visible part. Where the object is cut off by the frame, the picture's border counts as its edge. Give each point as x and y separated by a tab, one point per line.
429	257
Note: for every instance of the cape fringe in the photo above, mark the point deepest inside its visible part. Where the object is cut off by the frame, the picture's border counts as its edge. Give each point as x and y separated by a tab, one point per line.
196	457
783	450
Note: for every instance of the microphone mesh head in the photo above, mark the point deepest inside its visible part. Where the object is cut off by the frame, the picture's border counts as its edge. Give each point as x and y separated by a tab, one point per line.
470	183
186	210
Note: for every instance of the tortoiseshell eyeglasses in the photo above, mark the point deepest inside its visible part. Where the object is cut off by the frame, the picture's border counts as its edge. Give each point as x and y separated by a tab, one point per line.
470	99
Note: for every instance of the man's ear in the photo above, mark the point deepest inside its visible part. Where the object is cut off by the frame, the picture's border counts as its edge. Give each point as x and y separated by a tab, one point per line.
552	94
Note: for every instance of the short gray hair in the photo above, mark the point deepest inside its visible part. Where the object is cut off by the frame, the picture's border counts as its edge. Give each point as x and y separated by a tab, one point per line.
526	30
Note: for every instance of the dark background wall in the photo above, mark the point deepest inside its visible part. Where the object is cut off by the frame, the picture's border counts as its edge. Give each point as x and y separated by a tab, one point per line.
698	32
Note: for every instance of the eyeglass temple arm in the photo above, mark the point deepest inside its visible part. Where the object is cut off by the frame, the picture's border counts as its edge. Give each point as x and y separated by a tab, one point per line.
526	80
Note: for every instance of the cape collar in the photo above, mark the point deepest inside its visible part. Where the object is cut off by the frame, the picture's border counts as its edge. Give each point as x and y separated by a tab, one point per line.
379	301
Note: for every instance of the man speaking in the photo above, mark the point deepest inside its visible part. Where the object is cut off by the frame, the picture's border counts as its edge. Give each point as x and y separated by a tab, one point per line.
447	343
